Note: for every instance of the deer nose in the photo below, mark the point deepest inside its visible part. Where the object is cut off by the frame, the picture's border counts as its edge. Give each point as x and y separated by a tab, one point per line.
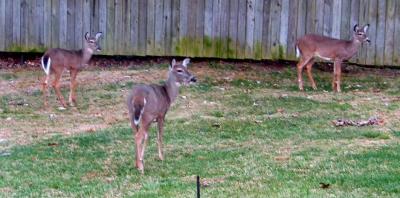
193	79
98	49
369	41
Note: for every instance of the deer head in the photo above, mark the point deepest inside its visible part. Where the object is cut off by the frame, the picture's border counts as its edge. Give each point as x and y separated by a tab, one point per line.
91	43
360	34
180	74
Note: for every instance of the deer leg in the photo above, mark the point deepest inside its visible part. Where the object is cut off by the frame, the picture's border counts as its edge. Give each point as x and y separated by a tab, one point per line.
160	137
139	136
303	61
45	90
56	86
141	140
336	74
310	77
339	74
72	96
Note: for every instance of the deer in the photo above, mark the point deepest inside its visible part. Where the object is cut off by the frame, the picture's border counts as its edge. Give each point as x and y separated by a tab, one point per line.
56	60
311	46
149	103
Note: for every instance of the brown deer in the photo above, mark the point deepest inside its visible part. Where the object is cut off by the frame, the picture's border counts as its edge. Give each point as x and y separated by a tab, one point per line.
310	46
148	103
56	60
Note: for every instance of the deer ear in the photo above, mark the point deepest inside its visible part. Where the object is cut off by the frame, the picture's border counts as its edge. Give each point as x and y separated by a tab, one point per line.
355	28
186	62
365	28
98	35
86	35
173	63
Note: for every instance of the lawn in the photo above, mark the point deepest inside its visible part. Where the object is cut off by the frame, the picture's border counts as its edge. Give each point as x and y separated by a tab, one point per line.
244	128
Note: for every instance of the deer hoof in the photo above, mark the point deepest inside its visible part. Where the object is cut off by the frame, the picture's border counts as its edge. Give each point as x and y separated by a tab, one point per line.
61	108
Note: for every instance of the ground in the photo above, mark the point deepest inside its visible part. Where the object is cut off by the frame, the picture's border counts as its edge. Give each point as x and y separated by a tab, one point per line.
245	129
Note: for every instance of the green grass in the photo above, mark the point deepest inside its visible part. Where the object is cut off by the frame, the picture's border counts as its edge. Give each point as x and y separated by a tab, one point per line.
256	137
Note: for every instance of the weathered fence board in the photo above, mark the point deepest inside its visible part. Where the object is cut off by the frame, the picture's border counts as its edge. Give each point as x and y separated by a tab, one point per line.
253	29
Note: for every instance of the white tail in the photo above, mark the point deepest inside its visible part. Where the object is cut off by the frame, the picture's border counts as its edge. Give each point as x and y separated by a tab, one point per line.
297	52
46	67
310	46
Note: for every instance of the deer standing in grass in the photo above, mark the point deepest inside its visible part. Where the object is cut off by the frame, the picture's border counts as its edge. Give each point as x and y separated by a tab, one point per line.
310	46
56	60
148	103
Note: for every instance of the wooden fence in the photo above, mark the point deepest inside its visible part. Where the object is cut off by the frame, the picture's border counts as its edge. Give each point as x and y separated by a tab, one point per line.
251	29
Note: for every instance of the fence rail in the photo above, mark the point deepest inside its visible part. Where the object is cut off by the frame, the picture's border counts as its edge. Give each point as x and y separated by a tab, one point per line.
239	29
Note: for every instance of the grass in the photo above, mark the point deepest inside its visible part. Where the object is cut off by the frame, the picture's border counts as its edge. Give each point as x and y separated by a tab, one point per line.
245	137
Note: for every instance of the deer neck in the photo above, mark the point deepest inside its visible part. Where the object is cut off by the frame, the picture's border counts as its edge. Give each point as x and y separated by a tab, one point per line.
354	46
86	54
172	88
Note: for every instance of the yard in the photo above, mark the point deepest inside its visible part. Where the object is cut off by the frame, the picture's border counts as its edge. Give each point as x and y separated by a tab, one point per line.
244	128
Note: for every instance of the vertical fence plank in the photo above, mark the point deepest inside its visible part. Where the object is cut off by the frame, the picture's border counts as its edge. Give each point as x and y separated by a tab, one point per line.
283	35
389	32
47	23
336	18
63	23
8	26
249	28
189	39
126	21
396	50
199	28
40	25
24	25
372	31
233	28
119	27
274	46
208	26
224	36
78	20
319	24
103	22
380	33
241	37
94	16
216	28
328	17
175	27
142	36
266	35
159	30
150	27
292	30
16	22
110	27
345	20
301	18
168	27
258	29
2	24
310	16
134	23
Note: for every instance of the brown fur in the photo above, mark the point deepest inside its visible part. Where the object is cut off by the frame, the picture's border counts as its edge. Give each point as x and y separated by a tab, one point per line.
158	100
72	60
336	50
